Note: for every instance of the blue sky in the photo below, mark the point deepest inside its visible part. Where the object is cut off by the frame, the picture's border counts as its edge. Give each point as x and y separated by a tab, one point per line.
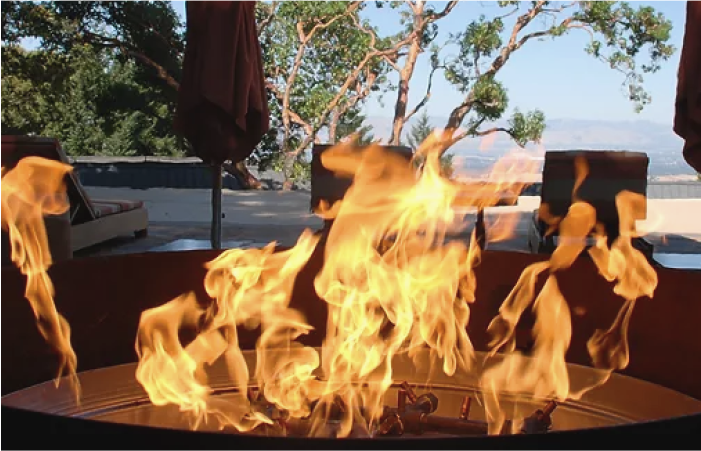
556	76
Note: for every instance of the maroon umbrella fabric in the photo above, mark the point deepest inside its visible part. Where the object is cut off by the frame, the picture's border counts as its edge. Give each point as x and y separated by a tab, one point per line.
687	119
222	105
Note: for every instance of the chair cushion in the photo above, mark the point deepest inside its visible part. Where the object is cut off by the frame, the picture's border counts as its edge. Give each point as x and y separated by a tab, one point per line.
104	208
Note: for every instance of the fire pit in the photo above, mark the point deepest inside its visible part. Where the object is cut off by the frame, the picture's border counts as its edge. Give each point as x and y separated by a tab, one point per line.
381	327
113	402
449	407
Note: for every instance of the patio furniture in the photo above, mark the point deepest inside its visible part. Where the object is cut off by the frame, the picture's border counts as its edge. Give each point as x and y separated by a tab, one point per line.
58	233
92	221
331	187
610	172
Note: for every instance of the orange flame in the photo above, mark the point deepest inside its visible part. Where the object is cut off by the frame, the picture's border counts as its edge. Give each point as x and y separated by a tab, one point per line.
393	279
31	190
544	375
250	288
395	282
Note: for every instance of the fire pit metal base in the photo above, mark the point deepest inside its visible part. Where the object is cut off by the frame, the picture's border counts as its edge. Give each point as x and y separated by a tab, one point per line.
103	298
114	401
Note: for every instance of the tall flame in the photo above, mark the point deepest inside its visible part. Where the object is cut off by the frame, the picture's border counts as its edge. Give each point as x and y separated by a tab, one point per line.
393	280
543	375
250	288
31	190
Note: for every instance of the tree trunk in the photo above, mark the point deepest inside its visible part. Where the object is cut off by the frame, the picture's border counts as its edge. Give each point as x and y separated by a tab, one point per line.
287	169
333	127
403	92
243	175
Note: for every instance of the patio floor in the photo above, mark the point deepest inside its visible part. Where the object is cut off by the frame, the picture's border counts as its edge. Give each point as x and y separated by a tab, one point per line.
259	217
163	233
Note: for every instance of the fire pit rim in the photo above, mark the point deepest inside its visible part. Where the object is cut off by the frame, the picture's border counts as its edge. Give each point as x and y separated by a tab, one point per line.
657	425
100	399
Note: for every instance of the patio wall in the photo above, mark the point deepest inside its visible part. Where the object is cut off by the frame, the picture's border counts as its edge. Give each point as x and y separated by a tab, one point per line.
144	173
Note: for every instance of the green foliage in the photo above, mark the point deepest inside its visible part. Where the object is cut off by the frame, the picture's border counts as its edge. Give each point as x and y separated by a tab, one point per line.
87	99
32	83
619	34
481	39
352	125
489	98
418	133
331	54
527	127
311	50
105	75
447	164
101	80
301	170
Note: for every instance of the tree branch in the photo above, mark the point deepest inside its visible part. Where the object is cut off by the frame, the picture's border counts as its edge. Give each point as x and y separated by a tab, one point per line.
458	114
426	97
448	8
489	131
294	117
304	39
338	114
392	63
152	29
115	43
268	20
472	131
420	22
417	7
374	53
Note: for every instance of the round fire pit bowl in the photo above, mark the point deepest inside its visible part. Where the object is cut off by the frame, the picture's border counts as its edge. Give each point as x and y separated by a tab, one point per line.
102	299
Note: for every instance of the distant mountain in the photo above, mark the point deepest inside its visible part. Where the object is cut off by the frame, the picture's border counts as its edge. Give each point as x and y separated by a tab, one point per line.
656	139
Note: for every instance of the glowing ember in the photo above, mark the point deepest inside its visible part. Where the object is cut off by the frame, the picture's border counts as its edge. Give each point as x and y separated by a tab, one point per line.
31	190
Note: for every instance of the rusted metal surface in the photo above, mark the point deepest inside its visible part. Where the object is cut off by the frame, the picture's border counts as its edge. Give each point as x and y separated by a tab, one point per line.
113	396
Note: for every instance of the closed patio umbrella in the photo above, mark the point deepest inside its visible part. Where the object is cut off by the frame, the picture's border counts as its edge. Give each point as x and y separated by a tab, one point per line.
222	105
687	119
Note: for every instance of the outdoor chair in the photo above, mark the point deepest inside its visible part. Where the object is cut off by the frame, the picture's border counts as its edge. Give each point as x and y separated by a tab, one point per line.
330	187
91	221
609	173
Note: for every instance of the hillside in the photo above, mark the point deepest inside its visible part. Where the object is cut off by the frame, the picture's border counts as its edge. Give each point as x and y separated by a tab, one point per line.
656	139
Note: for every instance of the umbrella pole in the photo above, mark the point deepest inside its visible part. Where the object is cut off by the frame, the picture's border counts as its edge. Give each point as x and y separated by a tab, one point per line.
215	235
